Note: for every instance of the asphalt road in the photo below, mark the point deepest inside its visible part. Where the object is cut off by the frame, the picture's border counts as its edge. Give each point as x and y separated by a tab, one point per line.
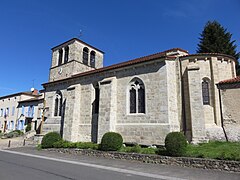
27	164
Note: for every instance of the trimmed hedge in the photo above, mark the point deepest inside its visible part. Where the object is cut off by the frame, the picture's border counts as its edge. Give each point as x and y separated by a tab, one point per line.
176	144
49	139
79	145
111	141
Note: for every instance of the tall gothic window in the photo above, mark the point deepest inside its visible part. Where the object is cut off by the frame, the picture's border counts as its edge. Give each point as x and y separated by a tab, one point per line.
85	55
60	55
66	54
205	92
92	59
58	104
137	97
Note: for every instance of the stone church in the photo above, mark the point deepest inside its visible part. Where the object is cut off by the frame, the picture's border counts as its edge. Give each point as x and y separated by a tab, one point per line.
142	99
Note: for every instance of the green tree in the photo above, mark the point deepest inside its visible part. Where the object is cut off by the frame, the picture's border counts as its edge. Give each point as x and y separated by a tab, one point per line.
216	39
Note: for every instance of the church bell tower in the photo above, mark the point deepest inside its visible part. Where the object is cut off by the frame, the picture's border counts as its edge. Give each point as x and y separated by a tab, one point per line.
74	57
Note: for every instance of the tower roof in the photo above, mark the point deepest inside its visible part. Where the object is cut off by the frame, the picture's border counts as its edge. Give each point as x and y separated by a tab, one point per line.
78	40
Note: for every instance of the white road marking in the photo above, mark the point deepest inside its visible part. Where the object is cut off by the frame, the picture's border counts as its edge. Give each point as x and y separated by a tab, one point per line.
120	170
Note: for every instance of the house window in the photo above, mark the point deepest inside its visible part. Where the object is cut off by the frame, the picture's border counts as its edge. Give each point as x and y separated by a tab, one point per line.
58	104
85	55
7	112
66	54
12	125
1	113
205	92
13	110
31	111
137	97
60	55
22	110
92	59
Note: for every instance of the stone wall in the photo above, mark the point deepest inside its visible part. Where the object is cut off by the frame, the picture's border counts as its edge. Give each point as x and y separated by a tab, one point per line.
232	166
144	128
231	113
214	69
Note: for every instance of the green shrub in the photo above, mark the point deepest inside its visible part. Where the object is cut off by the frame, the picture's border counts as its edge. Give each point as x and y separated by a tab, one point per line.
136	149
49	139
80	145
12	134
149	150
19	132
111	141
87	145
0	131
176	144
59	144
29	127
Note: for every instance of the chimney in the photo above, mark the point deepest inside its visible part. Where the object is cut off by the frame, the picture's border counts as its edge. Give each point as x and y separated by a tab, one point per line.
34	91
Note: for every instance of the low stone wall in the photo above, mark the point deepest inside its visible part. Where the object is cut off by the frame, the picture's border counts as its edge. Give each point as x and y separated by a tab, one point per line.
233	166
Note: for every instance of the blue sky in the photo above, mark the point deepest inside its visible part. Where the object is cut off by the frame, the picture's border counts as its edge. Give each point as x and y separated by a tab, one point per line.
123	29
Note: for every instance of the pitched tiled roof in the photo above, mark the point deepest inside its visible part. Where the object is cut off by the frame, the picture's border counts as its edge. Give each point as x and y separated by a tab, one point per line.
230	81
18	94
31	100
76	39
124	64
131	62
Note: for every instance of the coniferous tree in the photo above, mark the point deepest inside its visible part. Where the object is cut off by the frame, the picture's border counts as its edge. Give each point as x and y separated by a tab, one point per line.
216	39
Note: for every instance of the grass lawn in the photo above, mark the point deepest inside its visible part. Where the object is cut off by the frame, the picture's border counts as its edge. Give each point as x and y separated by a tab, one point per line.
215	150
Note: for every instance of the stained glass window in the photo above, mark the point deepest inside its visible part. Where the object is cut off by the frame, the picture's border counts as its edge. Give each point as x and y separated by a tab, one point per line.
137	97
58	104
132	100
205	93
141	100
56	107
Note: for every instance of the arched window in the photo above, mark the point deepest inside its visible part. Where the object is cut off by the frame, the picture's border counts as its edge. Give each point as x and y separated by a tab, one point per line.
205	92
66	54
137	96
92	59
85	55
60	55
58	104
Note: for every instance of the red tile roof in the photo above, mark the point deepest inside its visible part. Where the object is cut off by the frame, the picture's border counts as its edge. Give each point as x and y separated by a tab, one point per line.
207	54
124	64
230	81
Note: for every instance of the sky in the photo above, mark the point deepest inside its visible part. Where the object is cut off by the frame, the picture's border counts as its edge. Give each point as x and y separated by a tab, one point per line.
123	29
